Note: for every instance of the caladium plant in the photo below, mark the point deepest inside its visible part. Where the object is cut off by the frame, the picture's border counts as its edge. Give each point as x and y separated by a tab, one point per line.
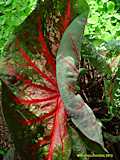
42	92
52	112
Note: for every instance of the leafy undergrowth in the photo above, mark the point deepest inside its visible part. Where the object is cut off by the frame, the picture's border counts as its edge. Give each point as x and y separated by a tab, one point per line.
103	21
12	14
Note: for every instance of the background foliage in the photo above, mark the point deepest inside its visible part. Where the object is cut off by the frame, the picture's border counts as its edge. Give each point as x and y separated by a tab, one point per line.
104	21
12	14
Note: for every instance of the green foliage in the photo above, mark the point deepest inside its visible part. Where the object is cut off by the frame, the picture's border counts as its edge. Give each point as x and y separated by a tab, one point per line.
112	138
103	22
12	14
103	30
111	84
78	145
114	106
2	151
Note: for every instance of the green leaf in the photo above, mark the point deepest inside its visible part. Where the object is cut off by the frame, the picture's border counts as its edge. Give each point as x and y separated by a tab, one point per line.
117	16
2	152
111	138
8	2
93	19
107	36
110	6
